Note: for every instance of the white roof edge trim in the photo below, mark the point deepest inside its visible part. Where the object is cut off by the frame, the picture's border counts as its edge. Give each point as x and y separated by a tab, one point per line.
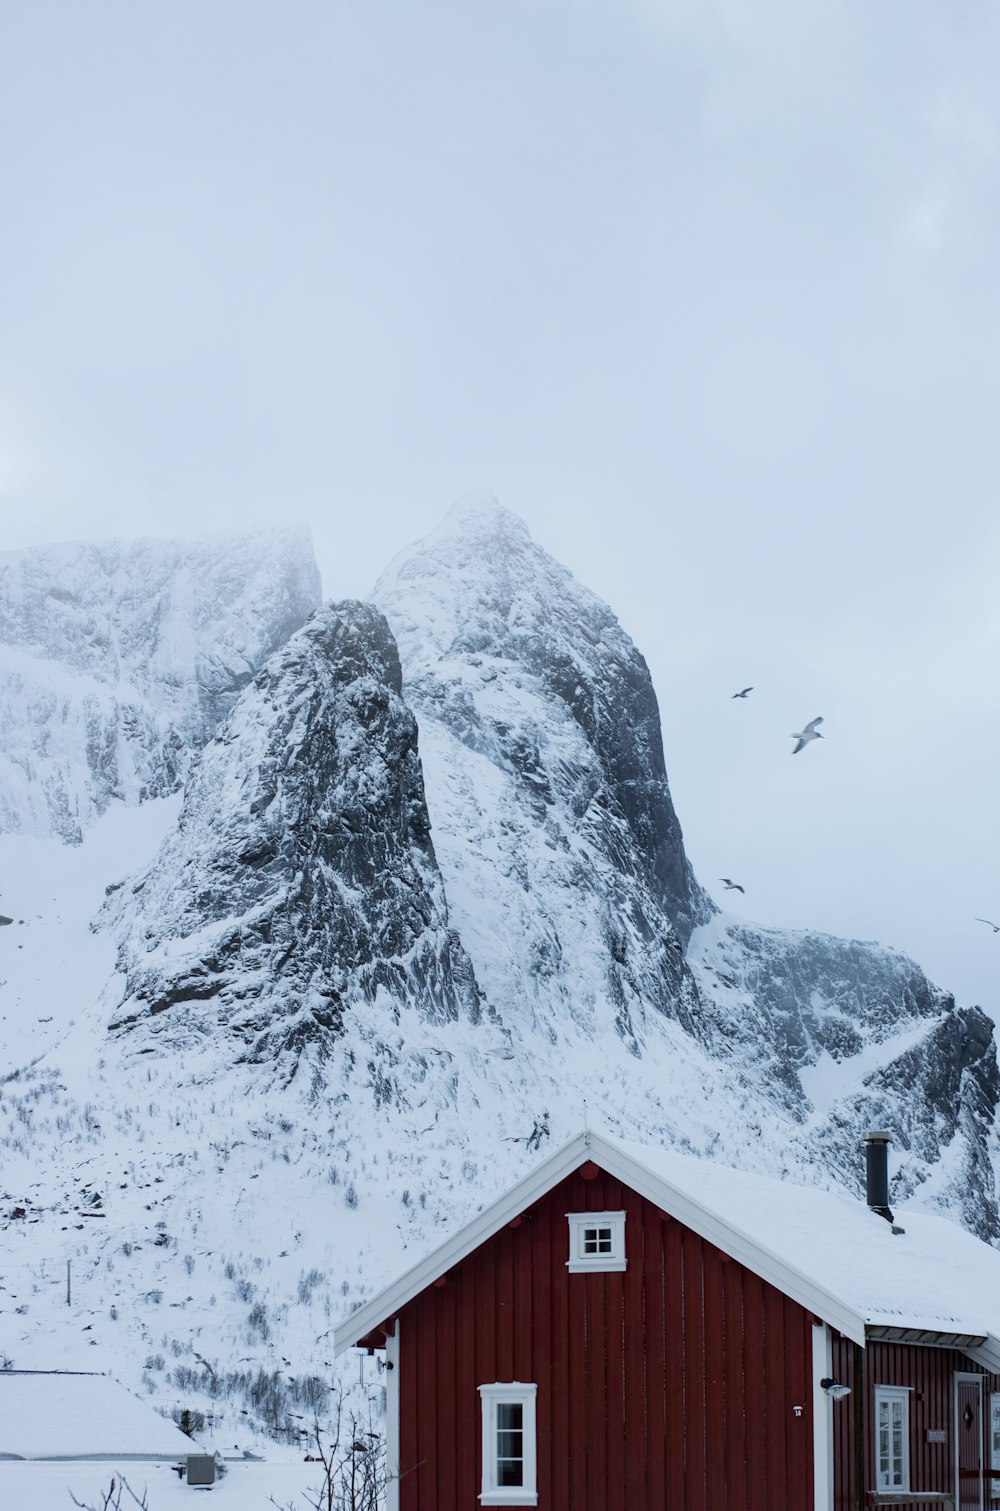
987	1354
563	1162
527	1190
769	1266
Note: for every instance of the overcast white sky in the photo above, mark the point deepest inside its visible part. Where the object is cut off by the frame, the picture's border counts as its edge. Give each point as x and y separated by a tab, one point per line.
706	291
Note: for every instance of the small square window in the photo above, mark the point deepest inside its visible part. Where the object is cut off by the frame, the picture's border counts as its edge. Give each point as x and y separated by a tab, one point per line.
596	1240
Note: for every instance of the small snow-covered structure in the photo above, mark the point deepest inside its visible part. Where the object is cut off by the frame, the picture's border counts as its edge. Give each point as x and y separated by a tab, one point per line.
68	1415
632	1327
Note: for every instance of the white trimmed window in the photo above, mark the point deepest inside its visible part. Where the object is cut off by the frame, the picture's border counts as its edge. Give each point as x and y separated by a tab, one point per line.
509	1464
995	1443
892	1438
596	1240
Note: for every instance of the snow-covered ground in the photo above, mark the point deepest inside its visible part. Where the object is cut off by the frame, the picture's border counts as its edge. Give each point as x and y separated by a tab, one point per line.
246	1486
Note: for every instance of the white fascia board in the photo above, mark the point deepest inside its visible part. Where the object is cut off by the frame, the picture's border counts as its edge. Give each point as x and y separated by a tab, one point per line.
987	1354
390	1301
763	1262
590	1146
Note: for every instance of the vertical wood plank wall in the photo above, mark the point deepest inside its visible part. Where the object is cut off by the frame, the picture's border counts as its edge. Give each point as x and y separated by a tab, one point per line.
929	1373
671	1384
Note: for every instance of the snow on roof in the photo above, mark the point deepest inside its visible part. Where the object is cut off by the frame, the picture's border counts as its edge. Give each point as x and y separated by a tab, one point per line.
825	1249
934	1276
57	1415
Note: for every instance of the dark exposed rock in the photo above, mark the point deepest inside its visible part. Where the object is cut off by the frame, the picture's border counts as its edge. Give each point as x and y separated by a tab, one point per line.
806	1013
301	881
940	1095
781	998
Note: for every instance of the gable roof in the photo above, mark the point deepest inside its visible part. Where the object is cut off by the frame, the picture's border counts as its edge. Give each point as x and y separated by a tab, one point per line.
824	1249
59	1414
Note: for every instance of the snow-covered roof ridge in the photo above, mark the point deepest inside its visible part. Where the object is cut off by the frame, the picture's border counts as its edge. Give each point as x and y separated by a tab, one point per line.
69	1414
822	1247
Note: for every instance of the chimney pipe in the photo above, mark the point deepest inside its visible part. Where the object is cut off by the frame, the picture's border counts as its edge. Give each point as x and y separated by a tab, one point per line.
877	1172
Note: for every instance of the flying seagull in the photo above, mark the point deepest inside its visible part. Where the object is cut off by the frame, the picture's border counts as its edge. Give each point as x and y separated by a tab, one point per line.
994	926
809	733
731	886
743	693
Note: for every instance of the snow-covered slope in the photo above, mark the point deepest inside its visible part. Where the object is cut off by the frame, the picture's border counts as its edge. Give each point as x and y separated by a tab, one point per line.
118	658
376	964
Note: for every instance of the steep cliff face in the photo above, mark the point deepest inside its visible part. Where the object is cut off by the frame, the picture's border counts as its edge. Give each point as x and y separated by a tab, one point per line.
785	1000
300	883
118	659
540	735
851	1036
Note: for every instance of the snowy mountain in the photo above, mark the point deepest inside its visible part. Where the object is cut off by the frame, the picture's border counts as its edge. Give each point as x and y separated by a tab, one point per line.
300	882
540	737
422	908
118	658
566	875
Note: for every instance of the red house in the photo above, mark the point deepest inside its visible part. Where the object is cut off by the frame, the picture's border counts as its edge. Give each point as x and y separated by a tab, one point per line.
630	1329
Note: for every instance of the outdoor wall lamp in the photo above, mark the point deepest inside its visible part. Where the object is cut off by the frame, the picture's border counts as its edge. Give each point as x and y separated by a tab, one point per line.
834	1390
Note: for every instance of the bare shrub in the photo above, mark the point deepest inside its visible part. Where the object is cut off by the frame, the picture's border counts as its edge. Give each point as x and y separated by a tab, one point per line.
351	1466
308	1283
257	1322
111	1498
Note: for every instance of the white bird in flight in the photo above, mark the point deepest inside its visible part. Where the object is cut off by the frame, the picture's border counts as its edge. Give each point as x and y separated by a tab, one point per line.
743	693
809	733
994	926
730	886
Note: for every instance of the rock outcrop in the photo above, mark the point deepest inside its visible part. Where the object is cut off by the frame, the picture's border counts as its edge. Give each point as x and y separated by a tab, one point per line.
300	883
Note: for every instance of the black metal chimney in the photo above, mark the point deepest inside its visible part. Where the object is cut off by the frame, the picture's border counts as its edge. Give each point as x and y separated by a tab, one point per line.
877	1172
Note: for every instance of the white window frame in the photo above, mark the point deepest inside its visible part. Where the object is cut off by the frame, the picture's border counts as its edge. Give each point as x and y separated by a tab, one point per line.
890	1396
994	1443
513	1392
579	1259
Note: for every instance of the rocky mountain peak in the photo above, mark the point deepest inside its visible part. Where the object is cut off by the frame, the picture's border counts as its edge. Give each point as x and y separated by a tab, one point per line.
301	881
480	513
538	719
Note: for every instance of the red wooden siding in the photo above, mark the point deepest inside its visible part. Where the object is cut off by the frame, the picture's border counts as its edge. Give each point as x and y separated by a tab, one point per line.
843	1415
930	1374
671	1384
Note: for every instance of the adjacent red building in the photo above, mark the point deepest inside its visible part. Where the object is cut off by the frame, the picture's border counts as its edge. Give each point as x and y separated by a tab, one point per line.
629	1329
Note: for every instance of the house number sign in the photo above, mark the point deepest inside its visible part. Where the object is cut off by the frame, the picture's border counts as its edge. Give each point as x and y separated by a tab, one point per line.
937	1435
